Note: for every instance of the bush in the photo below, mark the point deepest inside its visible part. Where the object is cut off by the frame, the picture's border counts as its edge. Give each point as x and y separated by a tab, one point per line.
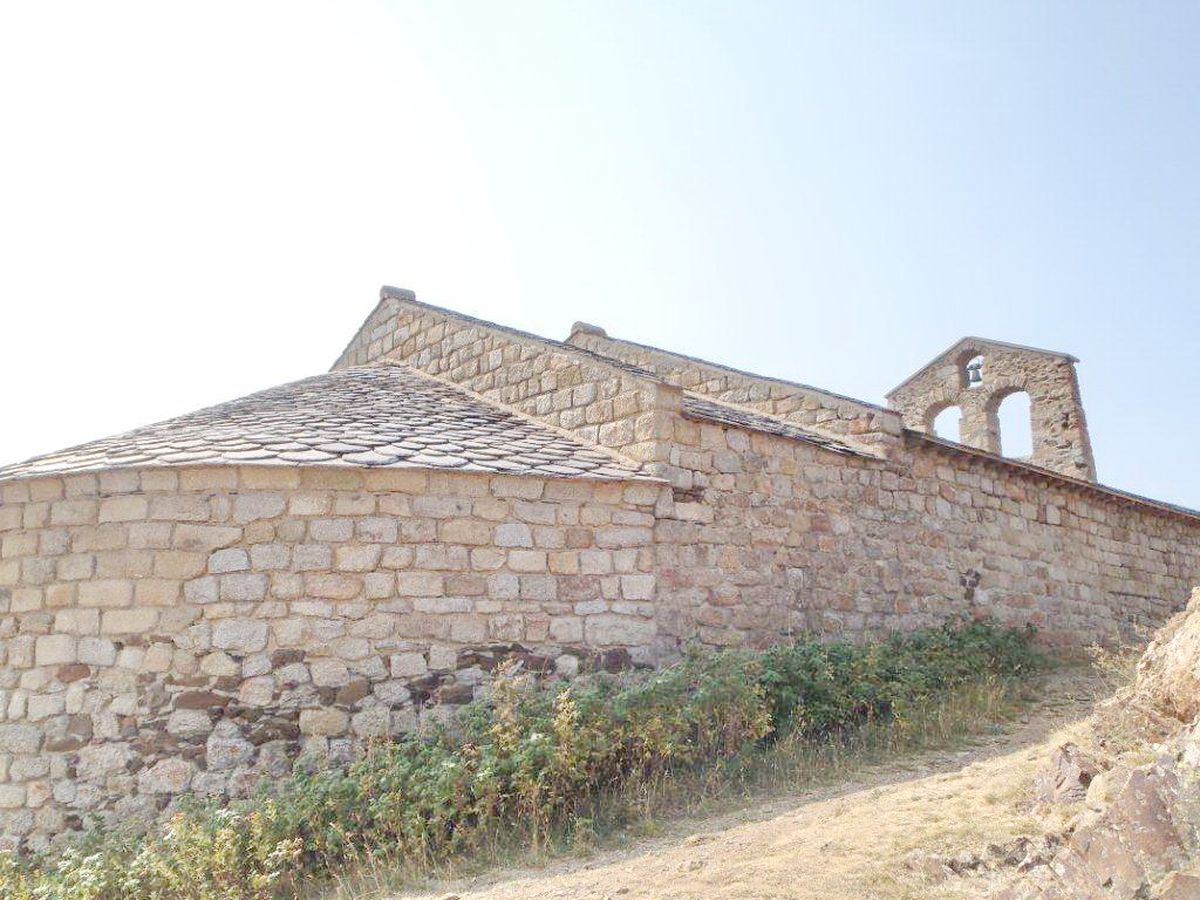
529	761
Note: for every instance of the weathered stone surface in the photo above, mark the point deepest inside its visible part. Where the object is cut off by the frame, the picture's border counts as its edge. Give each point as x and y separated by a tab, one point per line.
189	723
323	722
1139	829
168	776
1067	777
226	748
19	738
240	635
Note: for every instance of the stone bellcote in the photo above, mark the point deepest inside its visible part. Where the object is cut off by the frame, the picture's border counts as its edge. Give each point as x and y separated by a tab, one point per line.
976	375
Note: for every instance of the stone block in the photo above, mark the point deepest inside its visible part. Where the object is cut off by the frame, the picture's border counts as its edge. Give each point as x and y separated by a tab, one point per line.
189	723
205	538
226	748
19	738
408	665
270	557
181	564
240	636
128	621
230	559
107	593
168	776
325	722
248	507
331	530
513	534
123	509
77	621
328	672
55	649
243	588
527	560
377	530
613	630
637	587
201	590
12	796
358	557
312	557
219	664
97	651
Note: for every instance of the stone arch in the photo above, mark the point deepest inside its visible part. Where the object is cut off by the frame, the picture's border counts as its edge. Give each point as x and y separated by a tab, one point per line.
938	421
1014	432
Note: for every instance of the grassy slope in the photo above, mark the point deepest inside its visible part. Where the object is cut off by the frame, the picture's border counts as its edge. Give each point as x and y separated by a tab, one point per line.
800	823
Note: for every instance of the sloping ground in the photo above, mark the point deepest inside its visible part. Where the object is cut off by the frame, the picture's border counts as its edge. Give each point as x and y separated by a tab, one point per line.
872	838
1078	802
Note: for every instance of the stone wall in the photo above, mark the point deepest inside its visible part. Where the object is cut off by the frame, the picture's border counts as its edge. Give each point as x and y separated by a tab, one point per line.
176	629
798	403
598	401
768	536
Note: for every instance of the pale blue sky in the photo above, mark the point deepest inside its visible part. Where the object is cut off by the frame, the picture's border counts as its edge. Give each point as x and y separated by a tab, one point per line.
201	200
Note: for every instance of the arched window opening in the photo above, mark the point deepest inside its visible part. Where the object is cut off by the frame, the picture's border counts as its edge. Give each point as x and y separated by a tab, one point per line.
1016	426
973	372
948	424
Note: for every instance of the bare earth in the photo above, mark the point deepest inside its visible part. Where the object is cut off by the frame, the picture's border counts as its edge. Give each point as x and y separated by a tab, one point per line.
850	840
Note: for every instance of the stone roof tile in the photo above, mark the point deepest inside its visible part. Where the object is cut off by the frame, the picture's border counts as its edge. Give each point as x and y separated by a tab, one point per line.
696	406
378	415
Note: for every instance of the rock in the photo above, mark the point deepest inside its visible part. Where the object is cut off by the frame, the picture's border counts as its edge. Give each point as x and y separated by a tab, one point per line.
1168	676
1068	776
1141	828
929	866
1178	886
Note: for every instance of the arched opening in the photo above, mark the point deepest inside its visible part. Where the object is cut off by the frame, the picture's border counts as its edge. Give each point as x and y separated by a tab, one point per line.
970	369
948	424
1015	416
973	372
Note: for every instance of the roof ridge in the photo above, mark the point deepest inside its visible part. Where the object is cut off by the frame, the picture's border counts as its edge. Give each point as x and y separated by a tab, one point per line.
406	296
600	332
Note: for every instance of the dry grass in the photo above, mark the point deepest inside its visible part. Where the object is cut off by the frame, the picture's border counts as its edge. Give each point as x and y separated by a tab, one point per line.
657	812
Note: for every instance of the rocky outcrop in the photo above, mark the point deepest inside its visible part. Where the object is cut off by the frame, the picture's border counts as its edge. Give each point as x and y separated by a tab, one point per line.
1138	833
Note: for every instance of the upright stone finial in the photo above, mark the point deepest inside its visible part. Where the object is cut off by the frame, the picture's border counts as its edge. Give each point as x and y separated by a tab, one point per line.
587	328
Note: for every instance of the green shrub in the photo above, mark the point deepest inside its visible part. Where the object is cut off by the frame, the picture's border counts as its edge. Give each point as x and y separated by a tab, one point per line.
529	761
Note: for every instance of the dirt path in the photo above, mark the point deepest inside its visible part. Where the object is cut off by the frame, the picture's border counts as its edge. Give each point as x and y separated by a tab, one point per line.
845	841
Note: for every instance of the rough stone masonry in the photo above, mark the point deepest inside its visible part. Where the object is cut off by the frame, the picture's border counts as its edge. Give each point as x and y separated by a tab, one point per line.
193	605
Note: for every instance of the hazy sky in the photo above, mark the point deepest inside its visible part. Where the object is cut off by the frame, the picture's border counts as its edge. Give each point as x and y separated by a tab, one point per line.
201	200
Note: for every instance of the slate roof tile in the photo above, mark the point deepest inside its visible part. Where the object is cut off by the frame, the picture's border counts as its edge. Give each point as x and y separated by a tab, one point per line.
697	407
378	415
